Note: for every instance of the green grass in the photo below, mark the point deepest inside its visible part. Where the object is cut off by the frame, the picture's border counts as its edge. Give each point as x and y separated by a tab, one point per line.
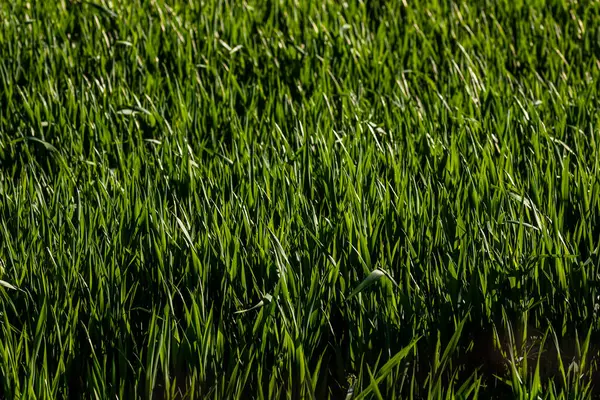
299	199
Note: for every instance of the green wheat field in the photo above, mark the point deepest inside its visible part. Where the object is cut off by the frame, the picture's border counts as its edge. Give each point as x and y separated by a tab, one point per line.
299	199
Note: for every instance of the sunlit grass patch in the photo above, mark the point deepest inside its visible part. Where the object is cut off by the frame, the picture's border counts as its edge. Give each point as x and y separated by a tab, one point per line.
293	199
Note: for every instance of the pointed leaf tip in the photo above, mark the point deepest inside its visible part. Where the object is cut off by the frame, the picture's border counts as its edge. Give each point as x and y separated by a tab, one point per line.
7	285
369	280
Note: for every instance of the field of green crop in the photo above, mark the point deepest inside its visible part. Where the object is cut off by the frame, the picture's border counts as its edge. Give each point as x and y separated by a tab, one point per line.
299	199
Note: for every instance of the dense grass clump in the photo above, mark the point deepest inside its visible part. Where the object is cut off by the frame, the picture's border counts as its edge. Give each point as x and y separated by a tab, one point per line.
299	199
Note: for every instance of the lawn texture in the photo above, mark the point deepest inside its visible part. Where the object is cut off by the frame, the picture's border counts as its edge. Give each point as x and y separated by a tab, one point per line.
299	199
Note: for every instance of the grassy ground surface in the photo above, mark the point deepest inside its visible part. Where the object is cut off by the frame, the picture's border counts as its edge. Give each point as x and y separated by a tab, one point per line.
299	199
